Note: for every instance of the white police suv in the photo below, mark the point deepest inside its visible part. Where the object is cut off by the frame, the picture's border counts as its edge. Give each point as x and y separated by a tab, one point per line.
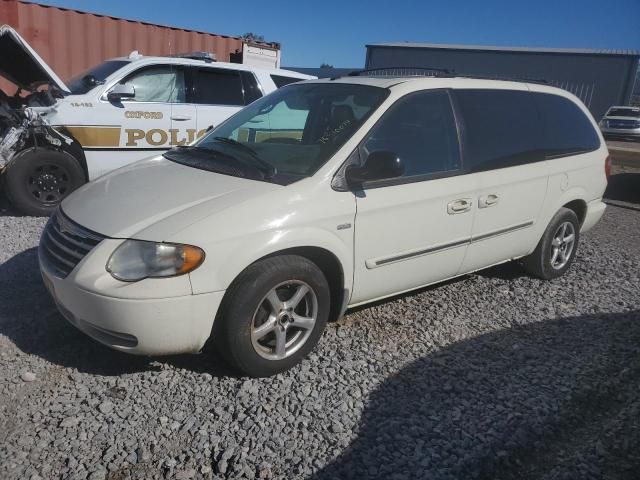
120	111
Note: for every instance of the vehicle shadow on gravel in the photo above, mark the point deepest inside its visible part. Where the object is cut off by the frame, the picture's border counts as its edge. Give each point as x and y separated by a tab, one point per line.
5	208
29	318
556	399
624	187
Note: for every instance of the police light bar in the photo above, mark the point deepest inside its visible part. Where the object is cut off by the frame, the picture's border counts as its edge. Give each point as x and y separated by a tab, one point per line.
204	56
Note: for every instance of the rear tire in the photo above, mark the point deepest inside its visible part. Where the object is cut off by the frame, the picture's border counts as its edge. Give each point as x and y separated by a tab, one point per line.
557	248
273	315
37	180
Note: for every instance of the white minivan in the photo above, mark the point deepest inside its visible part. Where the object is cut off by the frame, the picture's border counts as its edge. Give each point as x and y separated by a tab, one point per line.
324	195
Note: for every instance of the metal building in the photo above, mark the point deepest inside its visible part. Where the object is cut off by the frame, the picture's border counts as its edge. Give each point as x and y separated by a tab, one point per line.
600	78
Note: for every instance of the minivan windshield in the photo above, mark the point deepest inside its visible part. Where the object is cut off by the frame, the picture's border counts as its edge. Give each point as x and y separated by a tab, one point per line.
79	85
288	134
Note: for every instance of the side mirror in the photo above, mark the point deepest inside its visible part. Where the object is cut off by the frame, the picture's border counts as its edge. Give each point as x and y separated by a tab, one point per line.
90	81
379	165
121	91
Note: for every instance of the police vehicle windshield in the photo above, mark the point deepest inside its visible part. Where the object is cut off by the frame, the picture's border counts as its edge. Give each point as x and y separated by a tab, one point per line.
286	135
81	84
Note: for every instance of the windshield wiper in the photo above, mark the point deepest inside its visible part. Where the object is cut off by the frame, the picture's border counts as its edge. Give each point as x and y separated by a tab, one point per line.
271	171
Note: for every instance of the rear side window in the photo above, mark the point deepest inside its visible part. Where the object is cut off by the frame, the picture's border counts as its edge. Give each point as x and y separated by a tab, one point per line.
567	130
281	80
421	129
501	128
219	87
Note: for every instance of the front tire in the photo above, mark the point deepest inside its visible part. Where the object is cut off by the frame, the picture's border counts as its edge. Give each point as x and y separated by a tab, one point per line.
37	180
557	248
273	315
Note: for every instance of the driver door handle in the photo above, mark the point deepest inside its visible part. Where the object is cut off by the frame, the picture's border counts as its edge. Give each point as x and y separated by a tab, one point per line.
460	205
179	118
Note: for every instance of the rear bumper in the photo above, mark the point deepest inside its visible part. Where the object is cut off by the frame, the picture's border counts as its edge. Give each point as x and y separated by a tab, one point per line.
160	326
595	210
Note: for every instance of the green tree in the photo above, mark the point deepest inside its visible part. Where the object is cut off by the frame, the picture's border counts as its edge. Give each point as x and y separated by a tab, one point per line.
253	37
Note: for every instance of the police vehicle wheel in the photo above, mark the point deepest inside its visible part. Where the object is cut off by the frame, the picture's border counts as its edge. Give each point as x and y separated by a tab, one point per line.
37	180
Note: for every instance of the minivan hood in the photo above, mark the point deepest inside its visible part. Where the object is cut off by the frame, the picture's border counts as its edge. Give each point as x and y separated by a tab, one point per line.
20	64
156	198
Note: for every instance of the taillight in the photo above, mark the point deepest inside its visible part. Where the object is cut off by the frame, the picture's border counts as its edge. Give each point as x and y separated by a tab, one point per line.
607	166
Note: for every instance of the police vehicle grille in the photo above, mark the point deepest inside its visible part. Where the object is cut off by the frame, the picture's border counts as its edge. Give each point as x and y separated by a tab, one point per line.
64	243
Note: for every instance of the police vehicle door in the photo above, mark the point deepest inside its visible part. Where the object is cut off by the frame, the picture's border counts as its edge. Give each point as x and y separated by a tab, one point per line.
148	125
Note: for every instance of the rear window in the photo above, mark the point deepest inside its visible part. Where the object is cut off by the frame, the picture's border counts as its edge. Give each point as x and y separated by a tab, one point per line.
566	128
219	87
501	128
623	112
281	80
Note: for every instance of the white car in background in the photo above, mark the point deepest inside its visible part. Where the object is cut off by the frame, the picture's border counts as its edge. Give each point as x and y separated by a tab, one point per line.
621	122
320	196
118	112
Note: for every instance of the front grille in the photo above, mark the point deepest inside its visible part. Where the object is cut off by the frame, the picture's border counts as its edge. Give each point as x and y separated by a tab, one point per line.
624	124
64	243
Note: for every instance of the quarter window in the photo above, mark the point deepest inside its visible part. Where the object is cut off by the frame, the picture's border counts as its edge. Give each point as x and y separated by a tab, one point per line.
567	130
252	90
219	87
281	80
158	84
421	129
501	128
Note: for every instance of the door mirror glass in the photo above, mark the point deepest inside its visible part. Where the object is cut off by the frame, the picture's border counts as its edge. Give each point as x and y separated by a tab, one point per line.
379	165
89	81
121	91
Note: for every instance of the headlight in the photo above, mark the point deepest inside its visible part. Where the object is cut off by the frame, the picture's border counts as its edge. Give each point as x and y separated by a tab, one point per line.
135	260
604	123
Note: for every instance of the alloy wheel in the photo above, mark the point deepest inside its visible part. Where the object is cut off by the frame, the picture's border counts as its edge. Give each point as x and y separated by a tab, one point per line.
284	320
562	245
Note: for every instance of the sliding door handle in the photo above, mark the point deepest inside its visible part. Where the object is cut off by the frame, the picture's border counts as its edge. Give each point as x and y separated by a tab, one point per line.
460	205
488	200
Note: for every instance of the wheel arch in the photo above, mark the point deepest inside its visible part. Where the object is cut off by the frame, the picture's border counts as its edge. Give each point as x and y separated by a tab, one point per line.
328	263
38	141
579	207
332	269
75	150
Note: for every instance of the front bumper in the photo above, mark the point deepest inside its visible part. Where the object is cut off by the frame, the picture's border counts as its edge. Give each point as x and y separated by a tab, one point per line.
143	326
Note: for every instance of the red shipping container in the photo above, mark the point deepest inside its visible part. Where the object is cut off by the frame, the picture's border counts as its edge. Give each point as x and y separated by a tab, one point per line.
71	41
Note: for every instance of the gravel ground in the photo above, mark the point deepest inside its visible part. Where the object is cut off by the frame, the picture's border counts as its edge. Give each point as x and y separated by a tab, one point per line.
492	376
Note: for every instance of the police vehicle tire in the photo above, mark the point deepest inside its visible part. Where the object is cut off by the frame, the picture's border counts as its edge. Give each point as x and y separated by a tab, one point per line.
37	180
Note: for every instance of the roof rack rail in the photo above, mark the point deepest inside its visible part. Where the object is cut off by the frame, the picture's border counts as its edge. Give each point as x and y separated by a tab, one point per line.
504	78
206	57
435	72
402	72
